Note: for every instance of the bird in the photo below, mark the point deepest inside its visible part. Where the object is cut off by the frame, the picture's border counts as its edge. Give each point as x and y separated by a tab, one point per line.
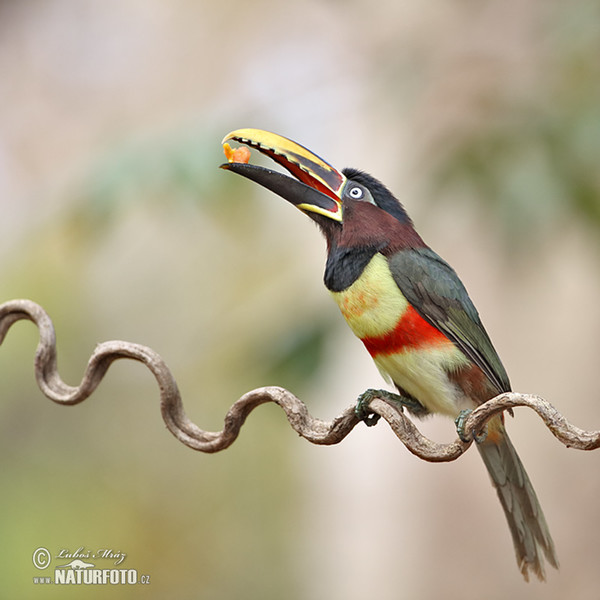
409	308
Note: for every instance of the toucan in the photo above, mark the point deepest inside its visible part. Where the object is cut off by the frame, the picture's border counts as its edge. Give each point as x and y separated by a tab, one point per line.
410	310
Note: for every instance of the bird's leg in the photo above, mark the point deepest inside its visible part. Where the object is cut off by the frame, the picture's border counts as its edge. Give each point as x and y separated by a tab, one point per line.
460	428
364	413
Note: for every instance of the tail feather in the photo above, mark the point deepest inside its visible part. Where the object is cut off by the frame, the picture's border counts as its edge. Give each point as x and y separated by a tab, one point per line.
530	533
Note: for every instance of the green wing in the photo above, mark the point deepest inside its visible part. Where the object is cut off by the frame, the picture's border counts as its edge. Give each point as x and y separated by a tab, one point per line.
433	288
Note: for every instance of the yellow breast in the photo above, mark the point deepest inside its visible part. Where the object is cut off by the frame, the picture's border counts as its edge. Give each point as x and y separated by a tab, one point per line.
373	304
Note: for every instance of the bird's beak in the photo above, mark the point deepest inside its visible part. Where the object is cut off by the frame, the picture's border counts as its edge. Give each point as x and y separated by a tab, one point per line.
317	186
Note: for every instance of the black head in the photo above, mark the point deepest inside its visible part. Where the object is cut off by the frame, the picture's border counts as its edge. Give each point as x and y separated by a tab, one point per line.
362	187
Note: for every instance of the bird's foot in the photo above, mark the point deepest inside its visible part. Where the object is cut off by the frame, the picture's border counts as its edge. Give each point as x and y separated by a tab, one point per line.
460	421
364	413
362	409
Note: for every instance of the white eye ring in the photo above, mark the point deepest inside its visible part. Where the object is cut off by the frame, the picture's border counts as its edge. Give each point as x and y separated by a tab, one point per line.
356	193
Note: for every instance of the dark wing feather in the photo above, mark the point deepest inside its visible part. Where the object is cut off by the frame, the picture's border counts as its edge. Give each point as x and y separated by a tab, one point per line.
433	288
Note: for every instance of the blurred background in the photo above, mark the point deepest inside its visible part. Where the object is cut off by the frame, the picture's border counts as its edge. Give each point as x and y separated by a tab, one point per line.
483	118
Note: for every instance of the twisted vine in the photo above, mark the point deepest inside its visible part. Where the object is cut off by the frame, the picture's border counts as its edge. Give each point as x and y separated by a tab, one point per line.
310	428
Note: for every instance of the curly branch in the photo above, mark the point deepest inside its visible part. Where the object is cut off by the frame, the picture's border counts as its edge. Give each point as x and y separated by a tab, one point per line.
312	429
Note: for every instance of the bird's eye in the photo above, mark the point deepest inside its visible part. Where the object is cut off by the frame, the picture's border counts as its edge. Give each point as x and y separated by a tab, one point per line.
356	193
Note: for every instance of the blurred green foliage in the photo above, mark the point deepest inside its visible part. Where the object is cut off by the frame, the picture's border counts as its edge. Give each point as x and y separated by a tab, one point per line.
533	159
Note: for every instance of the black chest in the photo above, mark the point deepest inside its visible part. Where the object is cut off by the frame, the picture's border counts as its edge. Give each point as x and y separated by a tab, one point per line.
345	265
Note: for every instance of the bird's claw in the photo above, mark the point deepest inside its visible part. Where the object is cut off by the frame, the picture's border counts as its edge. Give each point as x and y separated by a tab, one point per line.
460	421
362	409
364	413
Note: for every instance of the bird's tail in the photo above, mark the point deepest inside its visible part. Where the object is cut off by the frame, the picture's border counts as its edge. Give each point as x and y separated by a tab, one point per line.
526	521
